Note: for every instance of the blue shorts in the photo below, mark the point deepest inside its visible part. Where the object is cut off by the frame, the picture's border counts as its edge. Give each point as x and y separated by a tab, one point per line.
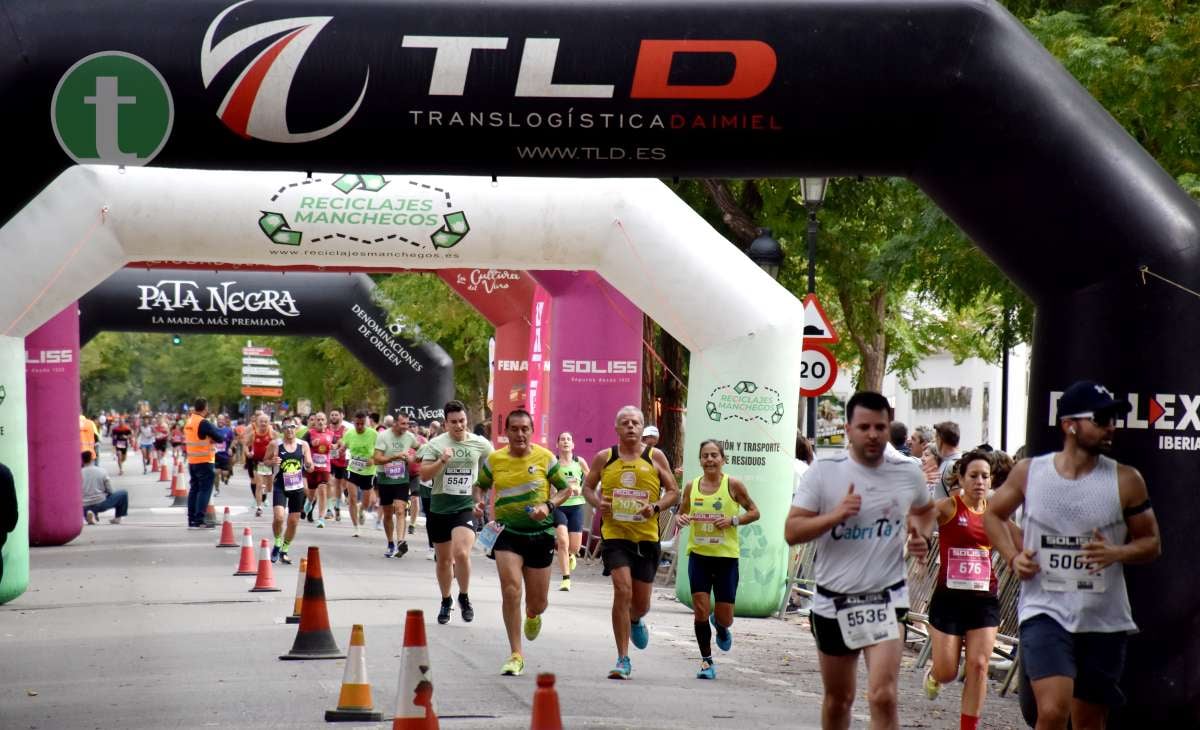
1094	660
571	516
719	576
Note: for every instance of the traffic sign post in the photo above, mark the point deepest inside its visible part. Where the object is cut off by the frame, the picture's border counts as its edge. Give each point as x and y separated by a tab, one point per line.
817	328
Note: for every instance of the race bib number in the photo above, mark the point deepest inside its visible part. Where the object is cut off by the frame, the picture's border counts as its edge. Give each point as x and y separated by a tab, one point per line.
458	481
968	569
396	469
357	464
866	619
574	487
122	444
293	480
1063	566
321	462
488	535
220	448
704	528
263	469
335	452
627	504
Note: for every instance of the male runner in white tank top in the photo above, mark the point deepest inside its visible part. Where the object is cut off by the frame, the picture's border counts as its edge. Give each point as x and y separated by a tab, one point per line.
1085	516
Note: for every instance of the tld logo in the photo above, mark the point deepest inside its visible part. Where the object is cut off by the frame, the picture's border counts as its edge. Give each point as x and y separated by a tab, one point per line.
49	357
601	367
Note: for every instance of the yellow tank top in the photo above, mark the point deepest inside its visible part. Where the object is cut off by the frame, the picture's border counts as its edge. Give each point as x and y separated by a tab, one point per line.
703	537
630	484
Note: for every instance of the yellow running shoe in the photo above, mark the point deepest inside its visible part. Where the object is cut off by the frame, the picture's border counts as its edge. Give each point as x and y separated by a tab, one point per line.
571	564
931	686
514	667
565	585
533	627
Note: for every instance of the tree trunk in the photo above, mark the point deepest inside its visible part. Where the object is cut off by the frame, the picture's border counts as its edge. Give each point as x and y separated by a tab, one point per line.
670	424
866	329
648	366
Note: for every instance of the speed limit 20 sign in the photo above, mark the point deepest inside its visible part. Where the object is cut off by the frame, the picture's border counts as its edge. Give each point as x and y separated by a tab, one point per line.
818	370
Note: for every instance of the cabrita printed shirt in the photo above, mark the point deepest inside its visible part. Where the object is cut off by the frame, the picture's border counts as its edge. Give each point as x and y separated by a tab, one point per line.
865	553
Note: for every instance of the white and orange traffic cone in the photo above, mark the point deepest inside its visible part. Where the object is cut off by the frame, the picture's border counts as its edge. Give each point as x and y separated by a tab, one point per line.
227	532
546	715
354	701
298	606
414	695
246	564
163	476
314	640
266	577
179	492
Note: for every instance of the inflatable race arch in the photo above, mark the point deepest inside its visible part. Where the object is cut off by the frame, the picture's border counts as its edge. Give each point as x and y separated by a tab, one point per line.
418	375
953	94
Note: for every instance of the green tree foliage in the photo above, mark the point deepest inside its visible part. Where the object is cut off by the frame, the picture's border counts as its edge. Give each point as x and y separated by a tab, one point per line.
898	278
432	310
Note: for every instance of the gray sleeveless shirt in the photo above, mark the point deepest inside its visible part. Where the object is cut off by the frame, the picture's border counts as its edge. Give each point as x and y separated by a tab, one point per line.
1058	520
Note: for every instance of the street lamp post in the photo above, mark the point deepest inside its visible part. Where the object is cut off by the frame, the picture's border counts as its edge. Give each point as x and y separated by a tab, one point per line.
814	195
766	252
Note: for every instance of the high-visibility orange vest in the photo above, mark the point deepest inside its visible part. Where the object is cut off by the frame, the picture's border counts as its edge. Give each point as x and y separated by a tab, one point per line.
199	451
87	435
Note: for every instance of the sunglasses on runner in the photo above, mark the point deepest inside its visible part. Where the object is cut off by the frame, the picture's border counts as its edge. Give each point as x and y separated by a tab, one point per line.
1102	420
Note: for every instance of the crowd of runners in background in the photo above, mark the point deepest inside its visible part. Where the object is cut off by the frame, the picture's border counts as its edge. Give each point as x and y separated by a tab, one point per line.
1064	523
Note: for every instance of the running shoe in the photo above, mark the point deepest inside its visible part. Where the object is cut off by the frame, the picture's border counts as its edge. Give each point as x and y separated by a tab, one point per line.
565	585
391	551
444	611
337	513
412	530
275	554
514	667
258	511
724	643
283	558
533	627
930	685
622	670
320	523
639	634
707	670
571	564
378	523
306	510
430	554
114	520
355	531
464	605
91	518
402	549
328	514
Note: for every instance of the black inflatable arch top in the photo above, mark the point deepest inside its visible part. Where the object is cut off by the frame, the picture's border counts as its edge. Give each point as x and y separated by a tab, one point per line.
953	94
419	376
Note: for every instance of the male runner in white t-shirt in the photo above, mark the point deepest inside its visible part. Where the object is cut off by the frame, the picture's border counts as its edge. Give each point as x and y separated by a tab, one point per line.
861	507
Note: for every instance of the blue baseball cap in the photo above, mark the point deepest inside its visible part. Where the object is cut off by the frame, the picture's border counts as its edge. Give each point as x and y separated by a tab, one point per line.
1088	398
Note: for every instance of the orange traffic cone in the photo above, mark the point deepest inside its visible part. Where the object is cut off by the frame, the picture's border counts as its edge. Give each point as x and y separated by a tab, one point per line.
354	701
266	578
179	492
162	473
546	715
210	515
414	694
299	604
153	461
246	563
227	532
313	637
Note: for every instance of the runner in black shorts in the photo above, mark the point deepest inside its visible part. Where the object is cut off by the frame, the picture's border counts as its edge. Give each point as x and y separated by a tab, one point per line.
568	519
712	506
630	484
964	610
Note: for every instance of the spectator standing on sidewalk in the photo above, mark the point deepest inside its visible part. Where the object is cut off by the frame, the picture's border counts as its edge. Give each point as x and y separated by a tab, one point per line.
201	437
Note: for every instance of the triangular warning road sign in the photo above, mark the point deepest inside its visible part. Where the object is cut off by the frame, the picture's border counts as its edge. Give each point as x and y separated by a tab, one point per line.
817	328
